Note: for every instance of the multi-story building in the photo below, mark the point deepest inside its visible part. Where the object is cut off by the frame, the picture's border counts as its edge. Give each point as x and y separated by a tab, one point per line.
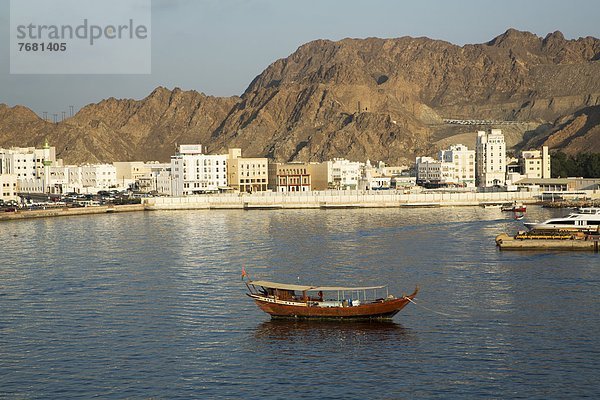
99	176
26	162
194	172
30	165
535	163
321	175
156	179
490	158
59	180
8	187
345	174
464	164
129	172
247	174
391	171
431	172
380	176
289	177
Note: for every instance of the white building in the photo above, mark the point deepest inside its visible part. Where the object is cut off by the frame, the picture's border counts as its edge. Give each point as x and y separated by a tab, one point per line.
345	174
434	172
464	164
196	173
98	176
8	187
64	179
26	162
380	183
164	181
75	179
30	165
490	158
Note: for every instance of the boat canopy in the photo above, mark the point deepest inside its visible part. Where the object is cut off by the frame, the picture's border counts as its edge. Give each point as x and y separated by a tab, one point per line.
305	288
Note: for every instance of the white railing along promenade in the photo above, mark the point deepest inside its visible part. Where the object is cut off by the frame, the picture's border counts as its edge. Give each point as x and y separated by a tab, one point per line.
335	198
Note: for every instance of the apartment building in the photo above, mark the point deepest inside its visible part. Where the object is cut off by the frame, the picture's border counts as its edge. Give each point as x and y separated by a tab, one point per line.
535	163
194	172
463	160
247	174
490	158
289	177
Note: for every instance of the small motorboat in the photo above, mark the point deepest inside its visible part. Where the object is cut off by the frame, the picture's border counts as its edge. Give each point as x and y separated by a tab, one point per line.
514	207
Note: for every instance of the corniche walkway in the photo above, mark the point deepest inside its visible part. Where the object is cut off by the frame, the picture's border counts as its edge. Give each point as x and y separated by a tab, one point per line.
335	199
294	200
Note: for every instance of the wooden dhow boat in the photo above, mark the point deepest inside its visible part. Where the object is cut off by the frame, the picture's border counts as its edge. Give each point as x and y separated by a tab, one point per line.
282	300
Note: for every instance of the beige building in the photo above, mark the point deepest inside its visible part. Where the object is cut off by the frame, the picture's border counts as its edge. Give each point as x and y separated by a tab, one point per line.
321	175
130	171
247	174
289	177
151	181
8	187
392	171
535	163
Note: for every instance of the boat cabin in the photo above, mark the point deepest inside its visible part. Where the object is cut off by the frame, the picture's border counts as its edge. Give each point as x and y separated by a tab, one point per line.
320	296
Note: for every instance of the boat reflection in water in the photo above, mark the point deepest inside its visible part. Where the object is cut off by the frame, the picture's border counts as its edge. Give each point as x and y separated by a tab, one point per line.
313	332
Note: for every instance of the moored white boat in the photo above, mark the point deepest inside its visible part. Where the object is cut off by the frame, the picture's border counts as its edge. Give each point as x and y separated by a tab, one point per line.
584	219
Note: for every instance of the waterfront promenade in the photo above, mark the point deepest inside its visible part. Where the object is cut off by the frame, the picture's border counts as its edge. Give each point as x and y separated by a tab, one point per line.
316	200
64	212
335	199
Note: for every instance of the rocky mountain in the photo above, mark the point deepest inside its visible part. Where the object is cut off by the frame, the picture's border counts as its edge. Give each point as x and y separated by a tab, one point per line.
575	133
383	99
120	130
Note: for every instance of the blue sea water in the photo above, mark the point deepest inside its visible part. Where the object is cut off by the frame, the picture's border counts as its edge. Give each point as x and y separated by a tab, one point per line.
151	305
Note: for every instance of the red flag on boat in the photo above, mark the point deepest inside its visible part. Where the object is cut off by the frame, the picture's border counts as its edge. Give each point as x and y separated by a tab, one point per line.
244	272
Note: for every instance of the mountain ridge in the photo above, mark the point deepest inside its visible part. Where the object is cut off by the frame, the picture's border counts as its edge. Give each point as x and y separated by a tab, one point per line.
382	99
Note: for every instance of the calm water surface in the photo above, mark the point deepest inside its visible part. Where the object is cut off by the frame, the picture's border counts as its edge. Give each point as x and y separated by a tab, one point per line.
151	305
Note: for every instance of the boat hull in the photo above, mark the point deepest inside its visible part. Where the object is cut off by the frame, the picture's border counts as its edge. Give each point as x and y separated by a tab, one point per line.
560	227
515	209
383	310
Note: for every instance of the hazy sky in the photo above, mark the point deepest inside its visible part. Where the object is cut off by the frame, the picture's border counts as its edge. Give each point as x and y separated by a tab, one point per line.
219	46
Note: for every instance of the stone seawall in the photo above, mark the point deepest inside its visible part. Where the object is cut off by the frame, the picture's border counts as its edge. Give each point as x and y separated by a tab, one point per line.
63	212
335	199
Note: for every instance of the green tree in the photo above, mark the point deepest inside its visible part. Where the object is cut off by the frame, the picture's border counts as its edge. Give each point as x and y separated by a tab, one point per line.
586	165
